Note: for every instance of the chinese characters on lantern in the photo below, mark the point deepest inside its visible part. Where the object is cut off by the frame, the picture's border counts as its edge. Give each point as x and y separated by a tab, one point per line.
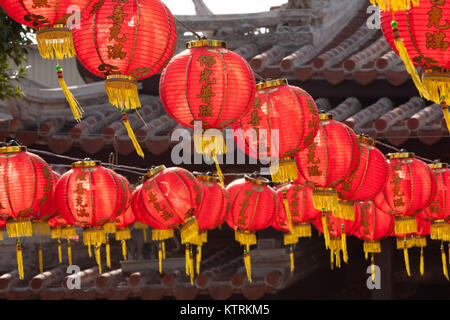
436	39
398	194
206	93
80	204
313	168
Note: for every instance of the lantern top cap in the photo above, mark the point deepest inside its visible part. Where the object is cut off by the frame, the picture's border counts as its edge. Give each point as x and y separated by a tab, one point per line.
86	164
59	26
271	83
13	149
438	165
113	77
206	43
153	172
206	177
325	116
401	155
257	180
366	140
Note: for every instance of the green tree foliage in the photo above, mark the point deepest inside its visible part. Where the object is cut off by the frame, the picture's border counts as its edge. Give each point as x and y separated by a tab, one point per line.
14	42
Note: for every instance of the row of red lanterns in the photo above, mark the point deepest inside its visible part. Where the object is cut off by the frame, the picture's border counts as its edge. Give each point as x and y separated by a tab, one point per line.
413	201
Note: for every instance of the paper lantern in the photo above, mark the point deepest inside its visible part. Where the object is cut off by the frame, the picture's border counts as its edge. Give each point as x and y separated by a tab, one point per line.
254	205
365	182
2	228
333	156
90	196
169	200
395	5
410	187
210	85
60	229
125	42
420	37
123	221
283	121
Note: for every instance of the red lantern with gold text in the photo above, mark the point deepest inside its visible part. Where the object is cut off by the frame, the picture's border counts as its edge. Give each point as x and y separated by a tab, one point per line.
169	199
26	185
410	187
90	196
204	87
366	182
214	206
124	42
331	158
420	36
254	205
285	120
139	224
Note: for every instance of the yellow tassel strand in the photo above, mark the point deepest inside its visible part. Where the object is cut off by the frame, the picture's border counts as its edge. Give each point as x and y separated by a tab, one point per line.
437	84
56	233
403	53
420	241
19	228
41	260
284	171
131	134
187	263
19	259
247	263
247	239
68	232
1	235
160	235
422	263
122	91
371	247
406	258
439	230
98	258
395	5
108	253
405	225
144	233
288	211
211	145
109	227
346	210
291	254
189	231
198	258
372	263
124	249
290	239
325	199
163	244
302	230
331	259
219	171
69	252
74	105
325	230
446	113
338	259
59	251
444	262
160	257
40	228
191	266
123	234
344	245
90	251
55	42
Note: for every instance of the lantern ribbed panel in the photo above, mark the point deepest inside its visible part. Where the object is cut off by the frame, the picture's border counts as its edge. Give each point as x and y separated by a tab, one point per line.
134	38
126	216
57	221
301	206
331	158
25	185
125	219
334	224
227	90
214	205
439	208
169	198
89	196
287	109
48	209
125	189
374	224
368	179
253	206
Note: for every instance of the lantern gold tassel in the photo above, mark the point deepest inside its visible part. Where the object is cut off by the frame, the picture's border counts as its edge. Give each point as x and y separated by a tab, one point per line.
69	252
40	228
219	171
189	231
371	247
124	249
291	254
302	230
290	240
331	259
437	85
247	262
284	170
405	225
160	256
19	259
325	198
41	260
98	258
160	234
144	233
406	258
444	262
439	230
187	263
163	244
131	134
338	259
1	235
56	233
346	210
55	42
422	263
108	253
403	53
74	105
198	257
372	264
59	251
191	265
19	228
344	246
123	234
122	91
395	5
68	232
446	113
109	227
246	239
288	211
90	251
326	235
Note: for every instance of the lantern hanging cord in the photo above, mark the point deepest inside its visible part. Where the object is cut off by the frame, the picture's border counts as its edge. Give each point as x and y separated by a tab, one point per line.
400	150
198	36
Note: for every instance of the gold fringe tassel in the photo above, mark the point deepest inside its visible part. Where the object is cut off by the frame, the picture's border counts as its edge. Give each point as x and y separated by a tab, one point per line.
187	263
69	252
160	234
288	211
439	230
247	262
290	238
40	228
122	93
144	233
346	210
219	171
420	241
94	237
19	259
109	227
124	249
123	234
395	5
446	113
247	239
371	247
68	232
302	230
284	171
163	249
19	228
55	43
59	251
191	265
131	135
1	235
408	242
160	256
325	199
406	258
403	53
344	246
422	263
405	225
331	259
291	255
437	85
326	235
213	145
74	105
55	233
372	264
444	262
98	258
108	253
90	251
189	231
41	259
198	258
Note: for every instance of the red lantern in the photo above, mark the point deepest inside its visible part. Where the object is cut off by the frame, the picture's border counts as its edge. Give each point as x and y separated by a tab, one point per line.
170	197
331	158
253	207
438	212
420	36
140	223
90	196
285	120
60	229
410	187
335	231
2	228
366	182
210	84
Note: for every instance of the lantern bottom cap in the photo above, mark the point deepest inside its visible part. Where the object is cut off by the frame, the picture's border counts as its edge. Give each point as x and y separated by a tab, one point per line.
122	92
284	171
405	225
55	42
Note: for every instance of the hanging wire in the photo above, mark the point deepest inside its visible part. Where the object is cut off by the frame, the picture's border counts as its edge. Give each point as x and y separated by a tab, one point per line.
198	36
